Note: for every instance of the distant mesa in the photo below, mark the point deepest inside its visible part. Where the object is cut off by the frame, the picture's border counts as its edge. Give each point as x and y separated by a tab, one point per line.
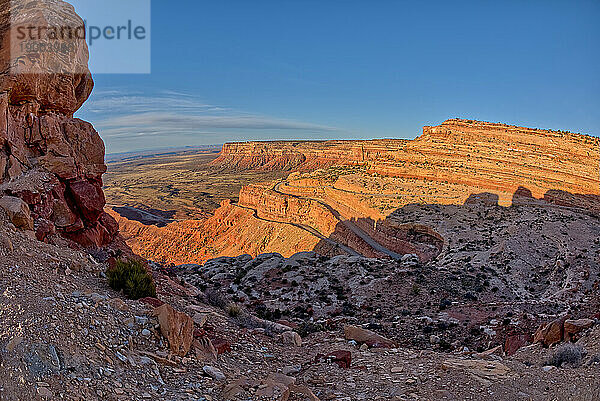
463	153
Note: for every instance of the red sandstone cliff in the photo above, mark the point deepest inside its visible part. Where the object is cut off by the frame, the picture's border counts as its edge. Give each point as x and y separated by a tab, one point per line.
232	231
49	159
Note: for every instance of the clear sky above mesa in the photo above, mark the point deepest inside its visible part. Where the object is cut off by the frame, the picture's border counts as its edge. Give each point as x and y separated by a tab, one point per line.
319	69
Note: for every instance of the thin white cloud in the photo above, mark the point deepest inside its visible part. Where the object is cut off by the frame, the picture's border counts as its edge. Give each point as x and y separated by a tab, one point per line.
171	116
117	114
157	122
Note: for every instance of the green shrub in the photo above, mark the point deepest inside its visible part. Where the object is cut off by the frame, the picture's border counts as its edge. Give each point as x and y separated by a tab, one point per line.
233	310
131	277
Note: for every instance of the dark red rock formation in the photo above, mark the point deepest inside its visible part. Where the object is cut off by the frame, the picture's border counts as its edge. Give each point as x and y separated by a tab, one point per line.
52	161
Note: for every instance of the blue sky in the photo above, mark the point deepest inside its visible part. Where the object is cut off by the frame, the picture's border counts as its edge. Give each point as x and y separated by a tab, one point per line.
246	70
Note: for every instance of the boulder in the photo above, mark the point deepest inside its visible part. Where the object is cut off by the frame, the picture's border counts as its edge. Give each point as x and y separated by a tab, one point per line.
550	333
89	199
109	223
55	82
368	337
177	328
18	212
90	237
572	327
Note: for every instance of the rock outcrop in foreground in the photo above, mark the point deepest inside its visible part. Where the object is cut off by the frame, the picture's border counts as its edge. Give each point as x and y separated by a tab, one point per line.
50	160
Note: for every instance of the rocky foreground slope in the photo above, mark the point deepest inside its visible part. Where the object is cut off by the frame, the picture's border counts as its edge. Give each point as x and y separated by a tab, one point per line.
66	335
502	272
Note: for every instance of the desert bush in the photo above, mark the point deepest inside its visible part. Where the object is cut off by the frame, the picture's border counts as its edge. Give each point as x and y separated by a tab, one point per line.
233	310
569	354
215	298
307	328
131	277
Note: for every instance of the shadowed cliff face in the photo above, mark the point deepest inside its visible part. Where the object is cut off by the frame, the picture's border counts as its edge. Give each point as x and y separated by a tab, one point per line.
49	159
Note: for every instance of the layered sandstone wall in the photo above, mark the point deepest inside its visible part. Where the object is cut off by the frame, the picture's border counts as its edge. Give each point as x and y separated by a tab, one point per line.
303	155
500	157
471	156
276	206
49	159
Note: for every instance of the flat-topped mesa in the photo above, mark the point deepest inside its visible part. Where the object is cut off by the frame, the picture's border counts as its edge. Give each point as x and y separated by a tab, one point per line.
302	155
472	156
502	158
49	159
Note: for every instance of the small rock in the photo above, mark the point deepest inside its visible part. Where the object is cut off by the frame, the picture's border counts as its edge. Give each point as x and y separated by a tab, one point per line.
177	327
342	358
290	370
214	373
44	392
146	332
118	304
6	243
551	333
516	341
291	338
368	337
121	357
13	343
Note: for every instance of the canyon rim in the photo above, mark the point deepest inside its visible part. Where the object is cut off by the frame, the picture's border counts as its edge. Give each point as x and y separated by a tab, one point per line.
463	264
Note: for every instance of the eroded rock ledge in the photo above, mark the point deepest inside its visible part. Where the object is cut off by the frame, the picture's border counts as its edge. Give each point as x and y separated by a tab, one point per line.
49	159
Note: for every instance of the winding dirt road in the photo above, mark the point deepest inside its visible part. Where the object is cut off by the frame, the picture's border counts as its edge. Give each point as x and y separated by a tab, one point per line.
309	229
349	224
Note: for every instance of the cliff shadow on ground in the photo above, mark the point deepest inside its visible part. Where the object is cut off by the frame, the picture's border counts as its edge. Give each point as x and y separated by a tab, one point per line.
423	229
